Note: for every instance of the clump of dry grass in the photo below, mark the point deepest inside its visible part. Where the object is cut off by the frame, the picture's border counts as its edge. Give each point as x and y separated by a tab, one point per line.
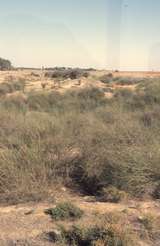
150	226
11	86
112	194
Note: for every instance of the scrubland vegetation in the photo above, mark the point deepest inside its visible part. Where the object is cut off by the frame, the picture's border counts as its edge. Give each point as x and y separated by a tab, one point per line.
80	138
108	148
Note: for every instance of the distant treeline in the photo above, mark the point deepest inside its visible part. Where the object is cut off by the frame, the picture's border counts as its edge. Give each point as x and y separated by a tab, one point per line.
68	68
55	68
7	65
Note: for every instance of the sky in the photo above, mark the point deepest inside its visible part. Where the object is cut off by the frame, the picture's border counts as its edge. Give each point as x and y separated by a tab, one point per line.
110	34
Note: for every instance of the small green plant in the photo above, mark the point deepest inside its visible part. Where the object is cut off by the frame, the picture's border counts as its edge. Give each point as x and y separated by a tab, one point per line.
65	211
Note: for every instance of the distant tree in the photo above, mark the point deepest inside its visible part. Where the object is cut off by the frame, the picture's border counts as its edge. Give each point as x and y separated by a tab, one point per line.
5	64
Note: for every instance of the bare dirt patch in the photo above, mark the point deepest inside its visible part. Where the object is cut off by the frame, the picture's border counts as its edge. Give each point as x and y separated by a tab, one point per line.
29	222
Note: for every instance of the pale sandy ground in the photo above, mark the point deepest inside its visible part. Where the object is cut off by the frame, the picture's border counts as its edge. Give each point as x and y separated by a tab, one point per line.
34	83
133	74
29	222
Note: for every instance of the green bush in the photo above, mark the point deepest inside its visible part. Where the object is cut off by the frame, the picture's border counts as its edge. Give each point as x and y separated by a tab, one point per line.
65	211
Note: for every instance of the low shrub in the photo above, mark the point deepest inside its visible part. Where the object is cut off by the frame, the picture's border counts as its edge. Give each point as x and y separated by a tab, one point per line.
15	102
97	235
65	211
152	92
107	78
112	194
156	192
81	100
130	100
128	80
12	86
44	102
147	221
35	74
150	227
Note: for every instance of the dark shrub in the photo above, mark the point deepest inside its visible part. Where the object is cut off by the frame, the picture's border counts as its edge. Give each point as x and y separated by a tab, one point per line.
107	78
75	74
96	235
35	74
74	236
156	193
86	74
5	64
69	73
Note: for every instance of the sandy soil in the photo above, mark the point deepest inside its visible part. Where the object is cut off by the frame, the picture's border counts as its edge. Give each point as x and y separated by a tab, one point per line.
29	223
35	83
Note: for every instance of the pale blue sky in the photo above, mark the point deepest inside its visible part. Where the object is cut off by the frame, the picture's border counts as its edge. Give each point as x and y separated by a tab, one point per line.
85	33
